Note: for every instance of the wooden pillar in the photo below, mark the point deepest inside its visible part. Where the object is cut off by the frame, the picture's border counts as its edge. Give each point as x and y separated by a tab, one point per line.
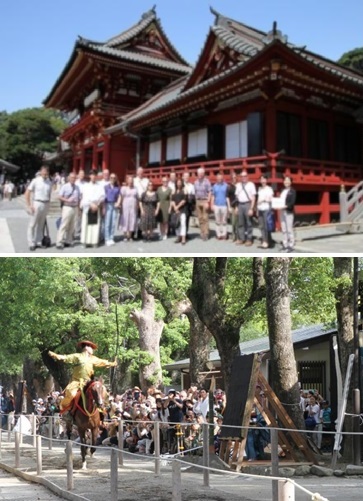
164	140
271	127
324	205
304	133
106	153
184	148
75	162
94	156
83	157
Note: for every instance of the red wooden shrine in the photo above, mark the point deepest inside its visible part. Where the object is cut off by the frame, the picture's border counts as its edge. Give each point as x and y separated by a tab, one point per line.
253	100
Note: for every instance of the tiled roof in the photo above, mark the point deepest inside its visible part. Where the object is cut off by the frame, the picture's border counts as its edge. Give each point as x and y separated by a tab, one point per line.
262	344
146	19
8	166
137	57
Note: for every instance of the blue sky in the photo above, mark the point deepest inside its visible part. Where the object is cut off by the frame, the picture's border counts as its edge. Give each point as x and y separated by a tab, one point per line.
37	36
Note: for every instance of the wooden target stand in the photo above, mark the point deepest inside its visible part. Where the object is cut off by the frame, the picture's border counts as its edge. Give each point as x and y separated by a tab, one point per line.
248	387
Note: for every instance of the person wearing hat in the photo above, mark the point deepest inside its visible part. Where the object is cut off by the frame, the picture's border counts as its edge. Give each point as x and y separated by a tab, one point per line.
83	369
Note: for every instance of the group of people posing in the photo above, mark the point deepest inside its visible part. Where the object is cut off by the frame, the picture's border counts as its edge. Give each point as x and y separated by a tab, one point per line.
93	209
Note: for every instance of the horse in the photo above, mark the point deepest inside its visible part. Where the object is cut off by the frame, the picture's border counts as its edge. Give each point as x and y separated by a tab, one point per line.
86	415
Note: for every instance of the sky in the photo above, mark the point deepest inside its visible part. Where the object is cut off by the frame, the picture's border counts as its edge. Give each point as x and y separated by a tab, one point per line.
38	36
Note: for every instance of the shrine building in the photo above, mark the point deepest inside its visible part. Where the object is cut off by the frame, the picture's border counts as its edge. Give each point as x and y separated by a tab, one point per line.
252	101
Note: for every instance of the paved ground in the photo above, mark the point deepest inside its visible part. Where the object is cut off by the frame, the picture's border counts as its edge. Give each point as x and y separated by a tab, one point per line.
14	220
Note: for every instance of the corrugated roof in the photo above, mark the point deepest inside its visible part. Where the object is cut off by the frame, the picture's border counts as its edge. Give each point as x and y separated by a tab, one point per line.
262	344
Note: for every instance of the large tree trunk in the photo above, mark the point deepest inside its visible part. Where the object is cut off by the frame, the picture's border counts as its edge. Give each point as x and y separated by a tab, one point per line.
344	295
206	296
150	331
283	364
199	345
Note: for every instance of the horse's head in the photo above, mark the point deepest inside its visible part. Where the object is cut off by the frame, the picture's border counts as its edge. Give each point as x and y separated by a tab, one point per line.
96	390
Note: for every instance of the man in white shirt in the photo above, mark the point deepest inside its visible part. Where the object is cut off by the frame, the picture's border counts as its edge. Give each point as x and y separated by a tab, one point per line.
37	198
81	183
91	203
246	197
141	184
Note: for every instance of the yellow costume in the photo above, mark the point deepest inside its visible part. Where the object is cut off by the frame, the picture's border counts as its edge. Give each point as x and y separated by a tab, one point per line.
82	371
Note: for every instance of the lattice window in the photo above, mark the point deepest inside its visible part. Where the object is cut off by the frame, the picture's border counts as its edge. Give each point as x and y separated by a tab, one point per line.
312	375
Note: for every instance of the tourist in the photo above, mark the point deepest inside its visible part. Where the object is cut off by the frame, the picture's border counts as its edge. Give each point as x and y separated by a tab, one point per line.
112	205
233	204
149	208
140	183
264	208
129	210
190	191
37	198
164	193
203	190
179	210
69	196
246	196
172	181
80	182
220	206
288	199
91	204
104	178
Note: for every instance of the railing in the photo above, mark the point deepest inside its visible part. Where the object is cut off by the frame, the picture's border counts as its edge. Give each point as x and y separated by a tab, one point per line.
12	447
351	203
276	166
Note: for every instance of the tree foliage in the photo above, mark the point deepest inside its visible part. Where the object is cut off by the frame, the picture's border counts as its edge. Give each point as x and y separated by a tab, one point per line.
26	135
353	59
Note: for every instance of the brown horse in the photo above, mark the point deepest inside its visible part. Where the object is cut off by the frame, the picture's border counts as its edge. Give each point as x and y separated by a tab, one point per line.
86	415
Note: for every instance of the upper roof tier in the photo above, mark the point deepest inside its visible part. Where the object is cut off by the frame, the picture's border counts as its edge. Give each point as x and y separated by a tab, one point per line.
230	47
145	44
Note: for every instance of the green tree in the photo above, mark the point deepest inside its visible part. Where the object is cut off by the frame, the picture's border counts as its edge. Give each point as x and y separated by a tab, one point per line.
353	59
26	135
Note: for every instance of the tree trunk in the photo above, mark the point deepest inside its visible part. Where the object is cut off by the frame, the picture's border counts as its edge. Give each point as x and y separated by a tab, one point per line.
150	331
283	364
199	345
105	297
344	295
206	295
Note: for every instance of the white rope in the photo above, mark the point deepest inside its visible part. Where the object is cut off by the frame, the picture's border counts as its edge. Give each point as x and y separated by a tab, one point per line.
356	415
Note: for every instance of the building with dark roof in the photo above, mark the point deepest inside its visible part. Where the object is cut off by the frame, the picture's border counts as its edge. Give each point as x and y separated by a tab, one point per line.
258	102
314	353
103	80
253	101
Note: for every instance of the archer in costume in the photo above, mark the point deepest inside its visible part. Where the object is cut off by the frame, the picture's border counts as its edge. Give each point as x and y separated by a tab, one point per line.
83	370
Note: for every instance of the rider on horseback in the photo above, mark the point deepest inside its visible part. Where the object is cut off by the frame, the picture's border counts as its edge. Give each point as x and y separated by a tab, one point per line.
83	364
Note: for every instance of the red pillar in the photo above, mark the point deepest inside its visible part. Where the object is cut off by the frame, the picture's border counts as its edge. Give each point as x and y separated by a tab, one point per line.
325	206
271	127
94	157
83	157
106	154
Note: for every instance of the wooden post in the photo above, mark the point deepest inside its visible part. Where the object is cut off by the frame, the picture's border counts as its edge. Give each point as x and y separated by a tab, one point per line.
50	432
39	455
176	481
20	430
69	460
113	475
286	491
357	437
34	429
9	430
343	204
120	440
338	435
157	447
205	455
17	449
274	462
